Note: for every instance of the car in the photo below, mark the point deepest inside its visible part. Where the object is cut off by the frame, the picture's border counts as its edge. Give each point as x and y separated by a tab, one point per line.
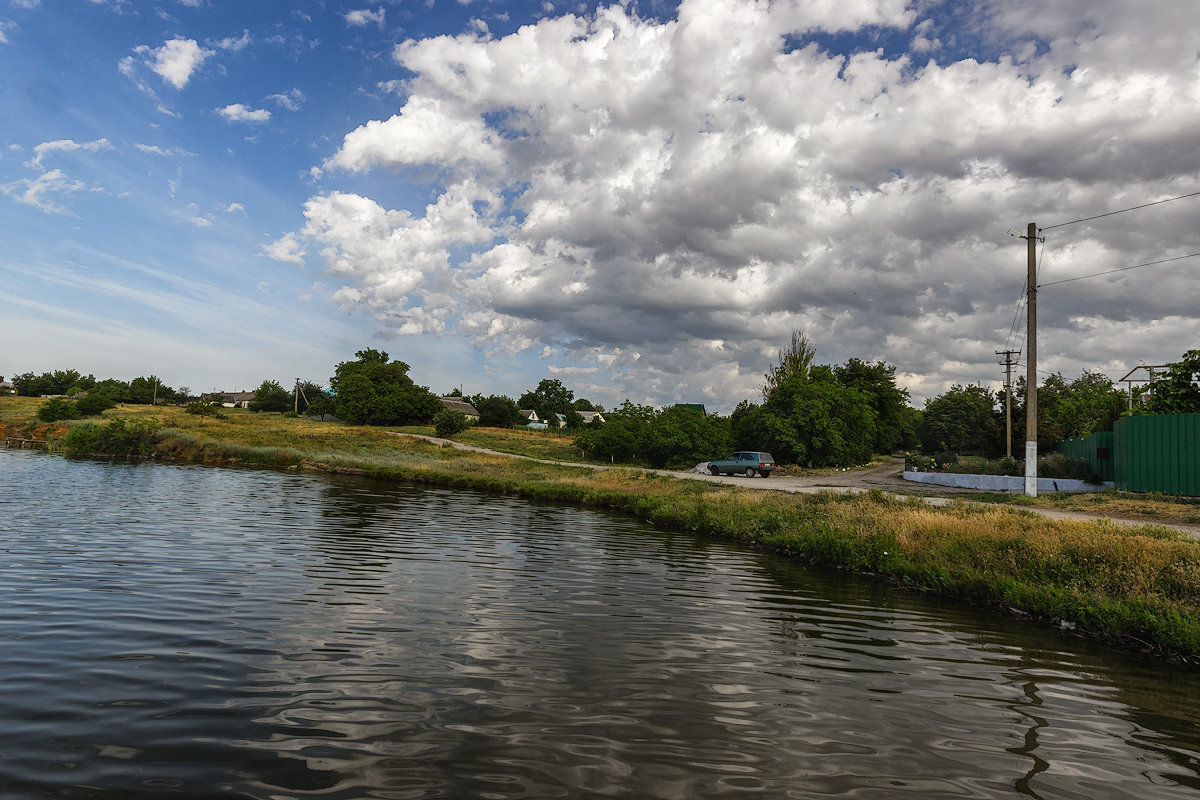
744	462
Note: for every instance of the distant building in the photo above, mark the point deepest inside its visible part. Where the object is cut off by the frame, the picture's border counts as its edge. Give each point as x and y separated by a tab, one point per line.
231	399
591	416
458	404
694	407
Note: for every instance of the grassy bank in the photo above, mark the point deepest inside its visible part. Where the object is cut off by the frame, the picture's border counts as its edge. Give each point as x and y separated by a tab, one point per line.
1139	586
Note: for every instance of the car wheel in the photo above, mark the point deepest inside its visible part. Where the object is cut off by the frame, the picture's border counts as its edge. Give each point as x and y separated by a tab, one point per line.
714	470
750	472
766	474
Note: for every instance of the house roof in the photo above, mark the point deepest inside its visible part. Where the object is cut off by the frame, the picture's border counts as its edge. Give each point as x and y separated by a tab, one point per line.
529	414
458	404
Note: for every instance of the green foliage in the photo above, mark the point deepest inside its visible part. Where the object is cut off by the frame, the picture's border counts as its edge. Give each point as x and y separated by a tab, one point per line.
1075	409
964	419
551	397
824	416
147	390
62	381
374	390
270	396
793	366
622	438
58	408
1176	393
448	422
877	382
682	437
210	407
94	404
496	411
314	400
119	437
111	389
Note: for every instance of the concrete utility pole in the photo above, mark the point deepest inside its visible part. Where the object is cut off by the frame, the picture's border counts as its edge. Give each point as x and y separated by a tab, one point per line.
1031	239
1008	362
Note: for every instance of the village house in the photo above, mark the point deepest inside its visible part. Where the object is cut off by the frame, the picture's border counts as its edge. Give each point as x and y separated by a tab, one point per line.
458	404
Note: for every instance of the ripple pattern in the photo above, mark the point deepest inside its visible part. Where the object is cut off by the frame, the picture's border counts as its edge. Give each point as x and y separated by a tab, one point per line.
182	631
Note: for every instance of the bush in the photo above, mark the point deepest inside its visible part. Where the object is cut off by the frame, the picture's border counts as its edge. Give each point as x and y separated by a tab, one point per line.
448	422
57	408
116	438
205	408
93	405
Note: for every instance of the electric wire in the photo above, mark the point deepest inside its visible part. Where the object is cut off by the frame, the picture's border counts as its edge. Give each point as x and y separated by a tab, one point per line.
1122	211
1119	269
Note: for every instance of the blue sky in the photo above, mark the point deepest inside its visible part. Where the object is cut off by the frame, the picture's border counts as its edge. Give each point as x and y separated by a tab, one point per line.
640	200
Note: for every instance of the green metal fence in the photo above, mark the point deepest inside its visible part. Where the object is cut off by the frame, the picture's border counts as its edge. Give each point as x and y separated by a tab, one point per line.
1157	453
1096	449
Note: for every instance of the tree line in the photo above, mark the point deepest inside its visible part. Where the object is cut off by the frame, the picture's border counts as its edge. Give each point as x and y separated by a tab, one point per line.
810	414
972	419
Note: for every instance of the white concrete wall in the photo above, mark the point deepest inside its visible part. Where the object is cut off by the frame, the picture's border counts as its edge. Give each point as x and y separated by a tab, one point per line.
998	483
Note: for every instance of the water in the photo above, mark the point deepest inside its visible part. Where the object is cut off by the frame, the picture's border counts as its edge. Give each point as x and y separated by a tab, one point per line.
181	631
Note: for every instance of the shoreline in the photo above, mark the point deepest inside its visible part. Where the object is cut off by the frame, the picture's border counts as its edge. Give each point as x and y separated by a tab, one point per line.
1135	586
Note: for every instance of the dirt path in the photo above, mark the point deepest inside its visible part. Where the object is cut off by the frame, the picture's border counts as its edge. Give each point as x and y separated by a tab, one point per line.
885	477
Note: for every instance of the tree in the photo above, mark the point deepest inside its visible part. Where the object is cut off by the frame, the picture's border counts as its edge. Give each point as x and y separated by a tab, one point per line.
57	408
622	437
964	419
147	390
62	381
270	396
496	411
1176	393
93	404
448	422
112	389
809	416
681	436
374	390
549	399
794	363
314	401
877	382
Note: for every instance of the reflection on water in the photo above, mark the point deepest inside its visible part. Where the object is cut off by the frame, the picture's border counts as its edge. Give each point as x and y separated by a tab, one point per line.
183	631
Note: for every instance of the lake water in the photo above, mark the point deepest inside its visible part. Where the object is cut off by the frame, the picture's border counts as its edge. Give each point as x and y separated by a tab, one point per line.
182	631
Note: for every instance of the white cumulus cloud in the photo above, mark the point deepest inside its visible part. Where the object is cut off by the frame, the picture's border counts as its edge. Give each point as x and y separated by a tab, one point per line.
175	61
627	191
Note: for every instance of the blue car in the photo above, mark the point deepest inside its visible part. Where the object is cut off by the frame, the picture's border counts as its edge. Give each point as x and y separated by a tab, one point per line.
746	462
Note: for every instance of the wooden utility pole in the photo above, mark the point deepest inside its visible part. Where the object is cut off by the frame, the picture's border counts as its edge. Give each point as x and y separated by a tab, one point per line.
1008	365
1031	239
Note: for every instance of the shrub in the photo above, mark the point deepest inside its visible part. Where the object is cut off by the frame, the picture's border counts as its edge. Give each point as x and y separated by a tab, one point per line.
205	408
448	422
117	438
57	408
93	405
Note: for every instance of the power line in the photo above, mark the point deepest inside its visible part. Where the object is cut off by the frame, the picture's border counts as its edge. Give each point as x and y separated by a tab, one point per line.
1119	269
1122	211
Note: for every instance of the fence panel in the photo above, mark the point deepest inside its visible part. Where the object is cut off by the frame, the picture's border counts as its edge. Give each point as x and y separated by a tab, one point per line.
1158	453
1096	449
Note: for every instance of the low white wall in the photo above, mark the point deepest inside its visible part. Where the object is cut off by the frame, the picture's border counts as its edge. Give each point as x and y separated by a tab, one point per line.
998	483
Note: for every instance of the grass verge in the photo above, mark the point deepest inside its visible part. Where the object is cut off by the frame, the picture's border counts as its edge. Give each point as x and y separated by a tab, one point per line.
1139	586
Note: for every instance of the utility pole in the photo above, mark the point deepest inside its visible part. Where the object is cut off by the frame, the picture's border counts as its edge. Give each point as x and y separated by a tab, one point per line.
1008	362
1031	239
296	394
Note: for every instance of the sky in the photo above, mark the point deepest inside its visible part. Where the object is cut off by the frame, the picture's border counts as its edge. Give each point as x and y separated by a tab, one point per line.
641	200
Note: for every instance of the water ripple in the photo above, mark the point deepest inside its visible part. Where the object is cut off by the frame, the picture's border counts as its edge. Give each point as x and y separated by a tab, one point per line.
192	632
